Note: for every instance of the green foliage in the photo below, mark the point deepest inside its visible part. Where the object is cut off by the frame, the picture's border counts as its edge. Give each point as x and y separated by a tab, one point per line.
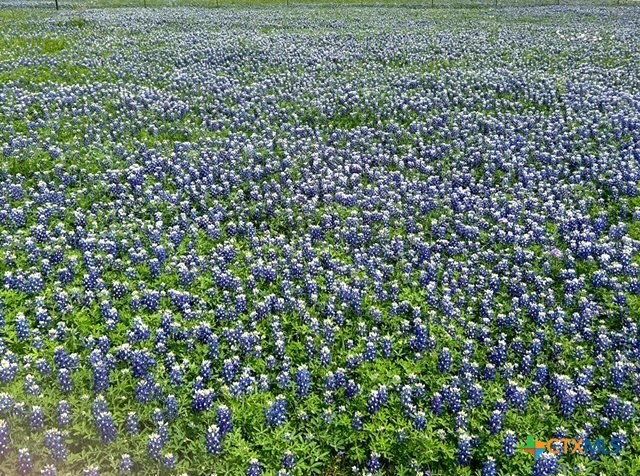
323	448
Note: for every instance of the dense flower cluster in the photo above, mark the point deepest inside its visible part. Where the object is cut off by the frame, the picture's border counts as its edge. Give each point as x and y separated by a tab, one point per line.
243	242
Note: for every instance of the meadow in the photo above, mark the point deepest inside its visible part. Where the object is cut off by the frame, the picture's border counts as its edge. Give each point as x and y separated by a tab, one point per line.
330	241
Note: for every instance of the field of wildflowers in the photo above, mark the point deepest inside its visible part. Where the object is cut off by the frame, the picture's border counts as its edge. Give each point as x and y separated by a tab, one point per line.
316	241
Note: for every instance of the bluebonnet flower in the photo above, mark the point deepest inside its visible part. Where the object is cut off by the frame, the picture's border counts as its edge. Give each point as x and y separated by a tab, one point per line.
626	411
230	368
461	420
276	412
64	413
496	421
303	381
163	432
157	416
475	395
489	467
49	470
36	418
8	367
131	423
169	460
516	395
463	454
106	427
7	404
155	444
546	465
213	440
622	438
25	462
100	376
126	464
419	421
386	346
356	421
205	371
288	460
374	465
509	443
54	442
5	440
351	389
254	469
612	407
23	330
64	380
444	360
489	372
325	356
224	420
377	399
